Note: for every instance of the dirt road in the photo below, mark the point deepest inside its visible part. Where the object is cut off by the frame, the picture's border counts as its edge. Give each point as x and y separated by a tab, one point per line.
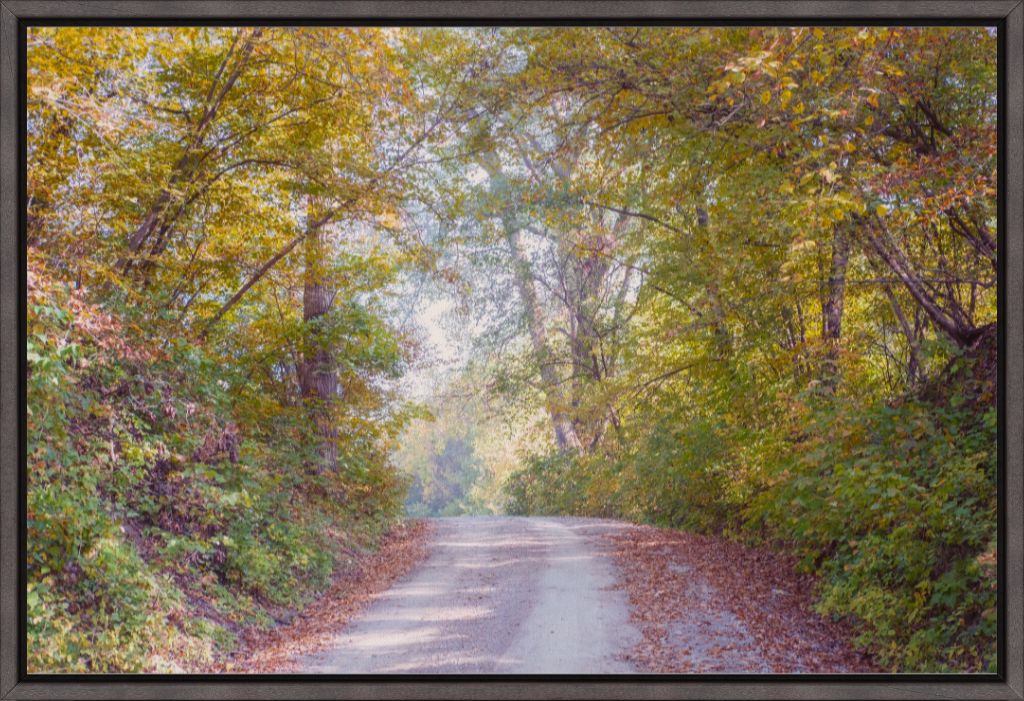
496	595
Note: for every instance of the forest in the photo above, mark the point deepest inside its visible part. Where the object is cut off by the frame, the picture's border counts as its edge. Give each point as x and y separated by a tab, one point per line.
289	287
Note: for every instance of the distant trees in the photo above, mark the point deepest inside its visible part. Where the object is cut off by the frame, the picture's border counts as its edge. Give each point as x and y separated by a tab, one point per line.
441	458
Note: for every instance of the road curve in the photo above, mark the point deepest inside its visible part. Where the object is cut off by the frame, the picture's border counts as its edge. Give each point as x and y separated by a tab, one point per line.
496	595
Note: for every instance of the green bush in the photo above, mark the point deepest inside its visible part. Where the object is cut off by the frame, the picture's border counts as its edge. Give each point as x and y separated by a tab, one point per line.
548	485
126	527
895	506
892	505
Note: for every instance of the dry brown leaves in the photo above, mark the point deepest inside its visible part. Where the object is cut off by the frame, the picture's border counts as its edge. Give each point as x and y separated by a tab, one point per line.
90	322
312	629
679	585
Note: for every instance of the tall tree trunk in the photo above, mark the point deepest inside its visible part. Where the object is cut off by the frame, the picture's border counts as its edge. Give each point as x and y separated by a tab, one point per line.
566	436
565	433
722	335
832	307
583	302
317	374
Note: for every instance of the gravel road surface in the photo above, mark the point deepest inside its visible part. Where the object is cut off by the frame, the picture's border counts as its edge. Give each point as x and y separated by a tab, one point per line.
497	595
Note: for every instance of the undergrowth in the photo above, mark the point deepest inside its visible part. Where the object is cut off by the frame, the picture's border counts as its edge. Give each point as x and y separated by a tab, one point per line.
160	523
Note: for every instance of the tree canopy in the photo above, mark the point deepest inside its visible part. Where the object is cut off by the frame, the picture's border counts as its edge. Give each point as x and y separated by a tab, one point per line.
730	279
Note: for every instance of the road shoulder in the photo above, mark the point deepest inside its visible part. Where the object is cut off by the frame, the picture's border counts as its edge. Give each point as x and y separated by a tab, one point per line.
705	605
313	628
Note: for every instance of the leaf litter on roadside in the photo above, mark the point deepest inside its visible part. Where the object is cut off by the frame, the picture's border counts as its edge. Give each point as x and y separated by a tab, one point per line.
705	604
275	650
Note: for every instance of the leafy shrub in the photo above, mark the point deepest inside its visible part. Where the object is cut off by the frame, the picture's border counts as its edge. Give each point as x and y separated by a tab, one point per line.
548	485
895	505
126	526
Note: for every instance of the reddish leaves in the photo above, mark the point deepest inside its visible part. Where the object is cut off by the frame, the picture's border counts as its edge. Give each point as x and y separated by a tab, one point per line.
353	589
90	323
705	604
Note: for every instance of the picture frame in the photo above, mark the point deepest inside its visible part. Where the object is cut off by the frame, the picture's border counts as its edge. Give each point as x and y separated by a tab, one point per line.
1008	15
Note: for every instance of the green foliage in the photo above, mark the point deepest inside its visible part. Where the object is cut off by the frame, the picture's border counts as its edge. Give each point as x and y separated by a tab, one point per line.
738	280
894	505
682	472
891	504
547	485
125	523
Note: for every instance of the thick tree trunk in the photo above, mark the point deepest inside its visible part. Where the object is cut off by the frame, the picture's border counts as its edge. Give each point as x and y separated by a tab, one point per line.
832	307
583	304
317	373
565	433
722	335
566	436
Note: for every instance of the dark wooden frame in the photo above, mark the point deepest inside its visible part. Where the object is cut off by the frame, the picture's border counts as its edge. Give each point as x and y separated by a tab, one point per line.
1008	14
